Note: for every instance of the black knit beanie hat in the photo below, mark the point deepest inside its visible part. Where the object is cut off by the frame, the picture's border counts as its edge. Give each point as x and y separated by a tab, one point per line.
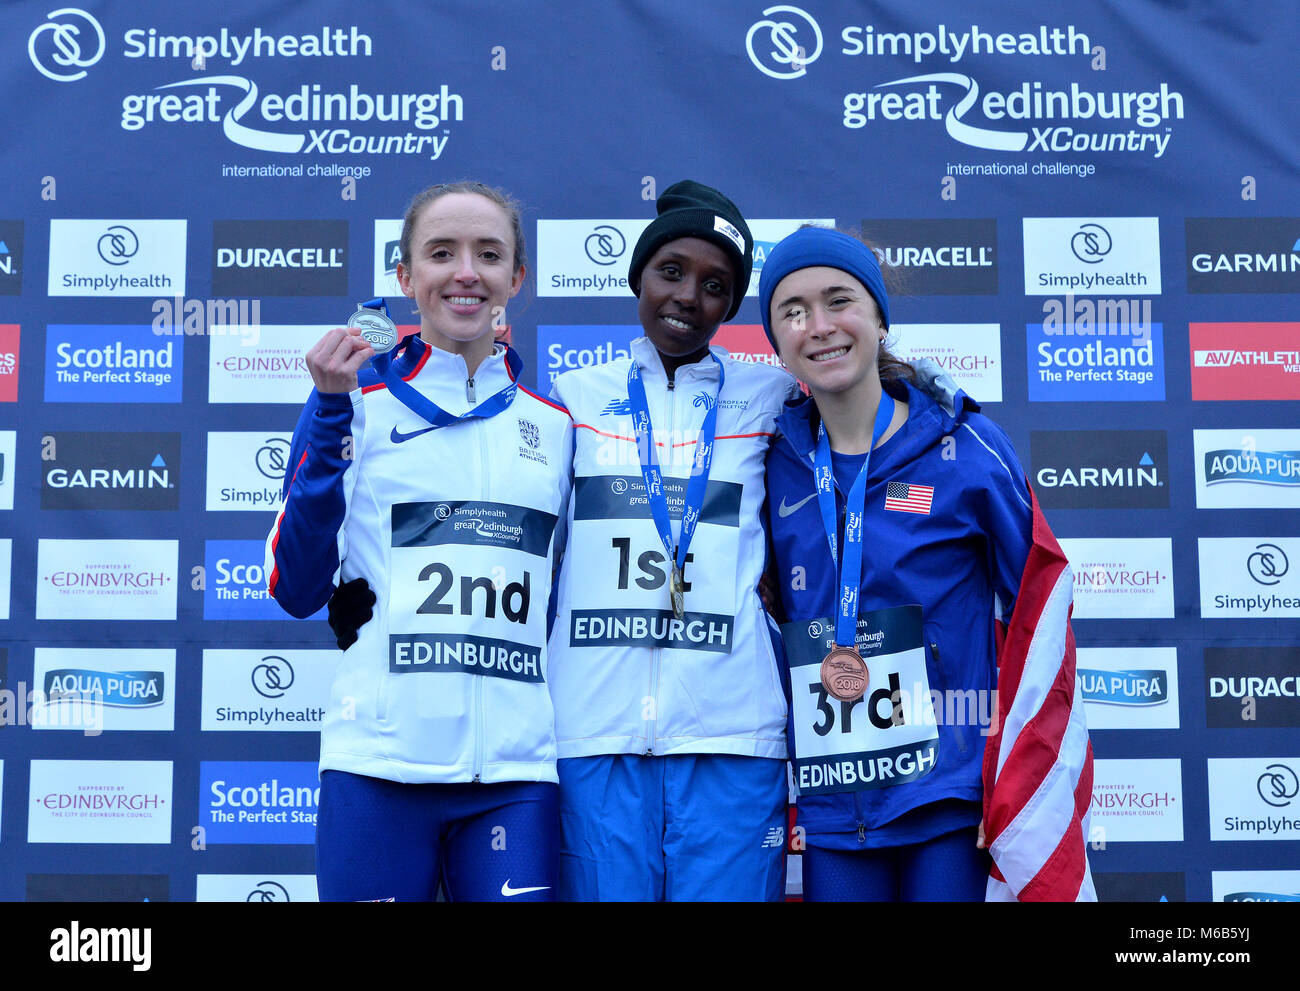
691	209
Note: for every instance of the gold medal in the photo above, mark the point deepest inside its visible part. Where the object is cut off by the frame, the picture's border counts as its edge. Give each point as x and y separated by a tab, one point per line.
844	674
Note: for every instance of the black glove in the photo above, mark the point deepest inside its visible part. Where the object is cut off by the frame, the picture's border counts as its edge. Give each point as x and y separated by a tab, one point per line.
350	608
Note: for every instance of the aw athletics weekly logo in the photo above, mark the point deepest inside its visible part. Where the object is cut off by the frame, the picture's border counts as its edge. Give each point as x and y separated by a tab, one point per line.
1071	119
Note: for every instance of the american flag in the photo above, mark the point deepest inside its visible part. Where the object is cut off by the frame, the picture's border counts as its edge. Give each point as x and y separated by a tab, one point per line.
1038	765
908	498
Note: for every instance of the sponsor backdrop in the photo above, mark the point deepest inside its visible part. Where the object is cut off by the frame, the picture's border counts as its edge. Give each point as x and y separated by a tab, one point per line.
1091	233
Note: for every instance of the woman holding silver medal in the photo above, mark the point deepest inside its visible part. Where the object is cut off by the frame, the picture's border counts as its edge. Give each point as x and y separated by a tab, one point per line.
670	712
429	484
898	522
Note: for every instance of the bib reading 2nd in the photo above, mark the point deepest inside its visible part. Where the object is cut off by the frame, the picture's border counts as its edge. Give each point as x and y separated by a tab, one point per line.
887	737
623	526
463	571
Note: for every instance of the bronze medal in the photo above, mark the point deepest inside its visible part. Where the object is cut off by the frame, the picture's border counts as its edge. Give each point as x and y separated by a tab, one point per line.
844	674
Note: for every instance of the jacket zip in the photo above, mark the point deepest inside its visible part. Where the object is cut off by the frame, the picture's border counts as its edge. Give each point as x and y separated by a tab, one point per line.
656	653
481	429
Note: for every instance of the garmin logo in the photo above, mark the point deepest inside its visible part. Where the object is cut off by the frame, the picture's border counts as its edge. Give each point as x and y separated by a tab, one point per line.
1100	469
97	471
1241	262
1101	477
154	477
1240	254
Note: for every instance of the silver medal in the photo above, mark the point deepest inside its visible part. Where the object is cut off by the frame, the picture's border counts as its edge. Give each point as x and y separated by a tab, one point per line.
379	331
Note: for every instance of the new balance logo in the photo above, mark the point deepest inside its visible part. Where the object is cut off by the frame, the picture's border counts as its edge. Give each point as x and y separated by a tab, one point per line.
618	407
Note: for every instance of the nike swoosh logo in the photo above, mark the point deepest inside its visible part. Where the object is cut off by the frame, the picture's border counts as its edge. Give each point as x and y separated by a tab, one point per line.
783	510
509	892
396	437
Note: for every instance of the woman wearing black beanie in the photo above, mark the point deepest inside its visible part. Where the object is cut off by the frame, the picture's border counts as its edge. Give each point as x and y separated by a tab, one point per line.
670	711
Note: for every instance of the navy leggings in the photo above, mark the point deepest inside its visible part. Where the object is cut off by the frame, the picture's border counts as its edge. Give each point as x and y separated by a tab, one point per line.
947	868
378	840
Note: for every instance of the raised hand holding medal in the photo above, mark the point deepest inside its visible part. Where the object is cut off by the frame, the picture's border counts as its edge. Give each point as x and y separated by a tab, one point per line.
844	673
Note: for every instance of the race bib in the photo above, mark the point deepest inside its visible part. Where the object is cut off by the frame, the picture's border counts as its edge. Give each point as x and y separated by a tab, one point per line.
621	595
469	582
887	737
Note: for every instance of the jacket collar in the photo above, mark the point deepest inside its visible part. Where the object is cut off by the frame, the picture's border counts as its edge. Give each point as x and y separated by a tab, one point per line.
652	365
934	408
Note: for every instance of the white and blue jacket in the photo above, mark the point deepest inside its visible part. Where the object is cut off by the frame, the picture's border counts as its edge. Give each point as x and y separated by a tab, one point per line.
455	529
627	679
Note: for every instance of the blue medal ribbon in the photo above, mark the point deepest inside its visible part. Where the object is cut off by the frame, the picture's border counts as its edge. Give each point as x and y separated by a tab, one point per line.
699	480
427	409
850	568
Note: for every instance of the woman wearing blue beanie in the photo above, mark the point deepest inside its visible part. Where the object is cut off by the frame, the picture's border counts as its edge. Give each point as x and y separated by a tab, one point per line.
933	716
